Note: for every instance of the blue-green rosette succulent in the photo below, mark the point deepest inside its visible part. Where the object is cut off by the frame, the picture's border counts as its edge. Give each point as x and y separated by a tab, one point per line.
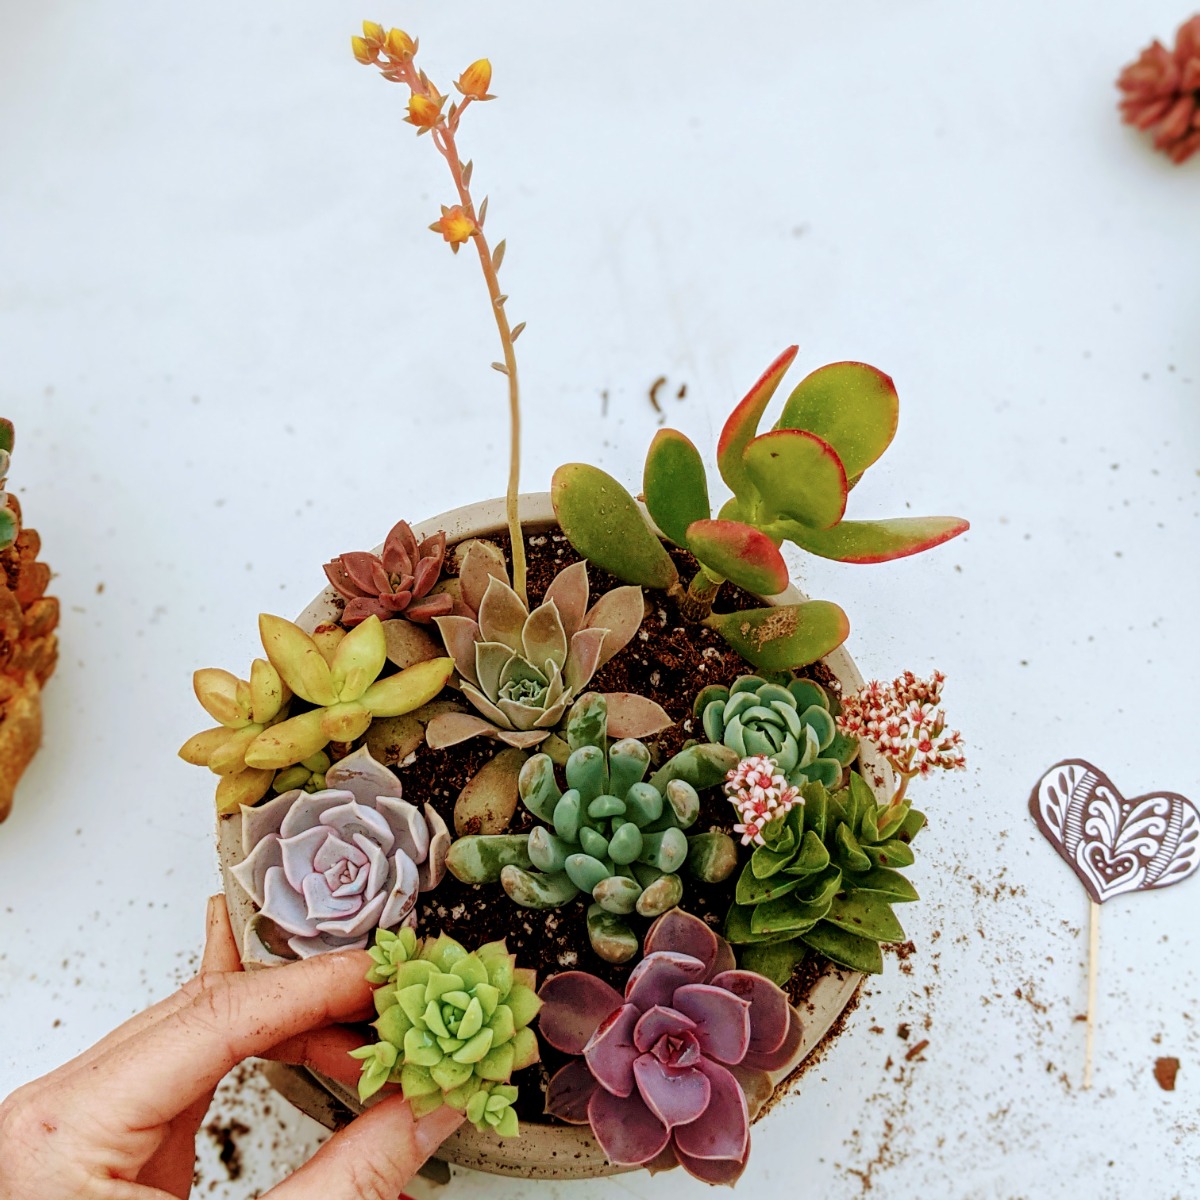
792	724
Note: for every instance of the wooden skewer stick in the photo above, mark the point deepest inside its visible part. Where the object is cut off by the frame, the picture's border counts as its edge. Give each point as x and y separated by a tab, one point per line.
1093	969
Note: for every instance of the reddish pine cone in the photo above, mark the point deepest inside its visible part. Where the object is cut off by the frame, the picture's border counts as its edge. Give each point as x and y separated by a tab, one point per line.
1162	92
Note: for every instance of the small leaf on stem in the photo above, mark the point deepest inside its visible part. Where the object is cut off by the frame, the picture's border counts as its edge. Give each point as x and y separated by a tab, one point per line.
518	329
498	253
499	366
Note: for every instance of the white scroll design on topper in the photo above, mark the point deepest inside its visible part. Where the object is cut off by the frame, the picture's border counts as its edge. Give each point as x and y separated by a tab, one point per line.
1115	845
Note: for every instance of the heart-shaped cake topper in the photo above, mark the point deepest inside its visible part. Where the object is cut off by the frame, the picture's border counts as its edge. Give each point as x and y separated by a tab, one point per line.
1115	845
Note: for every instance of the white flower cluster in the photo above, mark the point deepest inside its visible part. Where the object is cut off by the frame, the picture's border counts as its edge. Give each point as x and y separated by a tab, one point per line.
904	720
760	794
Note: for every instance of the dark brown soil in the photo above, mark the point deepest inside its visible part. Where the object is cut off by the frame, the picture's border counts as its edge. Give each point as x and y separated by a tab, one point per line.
669	661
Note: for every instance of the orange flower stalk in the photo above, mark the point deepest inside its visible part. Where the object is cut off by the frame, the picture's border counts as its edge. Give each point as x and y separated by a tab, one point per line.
393	53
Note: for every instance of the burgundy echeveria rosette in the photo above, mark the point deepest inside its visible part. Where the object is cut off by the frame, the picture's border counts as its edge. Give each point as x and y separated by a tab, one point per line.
394	584
664	1071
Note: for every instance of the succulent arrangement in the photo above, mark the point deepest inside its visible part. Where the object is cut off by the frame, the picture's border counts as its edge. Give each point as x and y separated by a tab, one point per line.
28	645
468	763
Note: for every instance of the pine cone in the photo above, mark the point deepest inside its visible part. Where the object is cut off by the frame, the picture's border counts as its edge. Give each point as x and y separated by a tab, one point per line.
28	652
1162	91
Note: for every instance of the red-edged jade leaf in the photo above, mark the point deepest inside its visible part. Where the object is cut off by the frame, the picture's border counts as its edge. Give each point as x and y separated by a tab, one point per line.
850	405
778	639
742	424
799	476
740	553
675	485
603	522
873	541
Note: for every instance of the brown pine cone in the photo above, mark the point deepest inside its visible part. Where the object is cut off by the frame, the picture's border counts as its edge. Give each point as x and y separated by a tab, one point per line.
28	652
1162	91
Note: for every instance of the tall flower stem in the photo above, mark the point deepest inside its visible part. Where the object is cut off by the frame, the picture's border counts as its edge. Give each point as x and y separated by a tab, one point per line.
393	54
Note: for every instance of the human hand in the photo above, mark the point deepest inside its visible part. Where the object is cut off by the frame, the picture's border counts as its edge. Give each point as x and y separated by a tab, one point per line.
120	1121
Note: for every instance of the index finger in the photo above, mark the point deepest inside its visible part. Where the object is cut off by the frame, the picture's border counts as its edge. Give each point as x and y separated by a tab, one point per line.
156	1074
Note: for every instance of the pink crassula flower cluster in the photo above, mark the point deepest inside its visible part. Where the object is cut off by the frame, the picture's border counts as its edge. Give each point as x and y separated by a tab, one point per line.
905	720
760	793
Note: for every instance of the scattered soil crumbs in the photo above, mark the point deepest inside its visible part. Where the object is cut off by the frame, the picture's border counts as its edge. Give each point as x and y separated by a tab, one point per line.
251	1139
1165	1070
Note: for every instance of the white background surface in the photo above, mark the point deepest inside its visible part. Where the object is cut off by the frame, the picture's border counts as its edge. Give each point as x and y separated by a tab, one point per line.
232	350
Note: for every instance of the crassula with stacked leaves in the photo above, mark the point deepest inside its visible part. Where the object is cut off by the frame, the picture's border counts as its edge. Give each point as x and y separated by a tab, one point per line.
611	835
396	583
453	1027
824	876
328	868
522	670
664	1070
792	724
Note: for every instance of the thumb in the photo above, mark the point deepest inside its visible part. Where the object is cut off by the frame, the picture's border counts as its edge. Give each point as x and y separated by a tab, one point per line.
373	1157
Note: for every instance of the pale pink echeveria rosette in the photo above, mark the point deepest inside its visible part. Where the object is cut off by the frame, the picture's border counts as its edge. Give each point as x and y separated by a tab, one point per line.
327	869
665	1070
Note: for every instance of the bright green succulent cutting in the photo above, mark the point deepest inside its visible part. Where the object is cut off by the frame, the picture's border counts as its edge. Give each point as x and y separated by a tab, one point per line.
453	1027
826	879
792	724
611	835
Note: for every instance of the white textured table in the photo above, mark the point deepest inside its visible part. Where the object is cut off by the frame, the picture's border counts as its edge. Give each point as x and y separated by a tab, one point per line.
231	351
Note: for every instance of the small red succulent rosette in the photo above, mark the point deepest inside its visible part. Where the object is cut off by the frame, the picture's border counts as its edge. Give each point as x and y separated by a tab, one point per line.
663	1071
395	583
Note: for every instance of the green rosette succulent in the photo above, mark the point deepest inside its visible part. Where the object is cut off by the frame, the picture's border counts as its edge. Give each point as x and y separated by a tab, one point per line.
453	1027
825	879
612	834
792	724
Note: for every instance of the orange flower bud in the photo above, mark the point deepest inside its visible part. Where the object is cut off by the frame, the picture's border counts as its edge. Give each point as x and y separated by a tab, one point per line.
399	44
373	34
362	49
425	111
476	79
455	226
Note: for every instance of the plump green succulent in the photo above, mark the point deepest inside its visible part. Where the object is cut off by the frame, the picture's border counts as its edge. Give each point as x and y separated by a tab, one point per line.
826	879
788	484
792	724
604	523
612	834
453	1027
338	673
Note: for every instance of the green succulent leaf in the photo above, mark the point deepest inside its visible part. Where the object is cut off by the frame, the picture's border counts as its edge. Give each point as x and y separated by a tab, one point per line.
798	476
740	553
872	541
851	406
603	522
844	948
786	637
743	423
867	915
675	485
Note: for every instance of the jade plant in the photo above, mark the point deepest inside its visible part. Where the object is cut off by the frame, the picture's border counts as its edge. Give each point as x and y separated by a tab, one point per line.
397	583
824	874
522	670
611	835
789	484
453	1027
327	869
662	1073
792	724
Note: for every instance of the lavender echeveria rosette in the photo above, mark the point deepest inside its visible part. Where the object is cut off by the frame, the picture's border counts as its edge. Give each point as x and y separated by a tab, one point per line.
327	869
664	1071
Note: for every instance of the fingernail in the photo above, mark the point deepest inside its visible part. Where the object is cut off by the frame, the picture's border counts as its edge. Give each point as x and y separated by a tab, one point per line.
434	1129
210	913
